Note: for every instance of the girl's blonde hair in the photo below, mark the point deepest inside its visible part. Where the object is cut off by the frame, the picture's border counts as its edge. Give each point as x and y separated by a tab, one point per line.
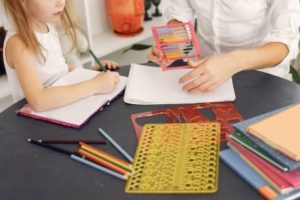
24	28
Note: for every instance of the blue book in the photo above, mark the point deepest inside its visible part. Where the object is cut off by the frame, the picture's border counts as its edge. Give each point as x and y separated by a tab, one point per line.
242	128
247	173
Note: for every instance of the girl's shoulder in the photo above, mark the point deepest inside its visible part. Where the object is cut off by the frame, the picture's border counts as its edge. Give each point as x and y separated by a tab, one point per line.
14	48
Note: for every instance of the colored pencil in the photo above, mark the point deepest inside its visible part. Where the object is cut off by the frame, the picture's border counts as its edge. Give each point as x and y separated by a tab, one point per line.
73	141
77	158
49	146
102	162
116	145
98	167
102	68
110	158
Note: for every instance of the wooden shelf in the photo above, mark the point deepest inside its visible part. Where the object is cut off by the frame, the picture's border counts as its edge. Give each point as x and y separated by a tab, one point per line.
93	17
107	42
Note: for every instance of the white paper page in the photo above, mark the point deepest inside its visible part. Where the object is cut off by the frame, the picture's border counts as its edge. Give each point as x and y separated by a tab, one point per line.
150	85
78	112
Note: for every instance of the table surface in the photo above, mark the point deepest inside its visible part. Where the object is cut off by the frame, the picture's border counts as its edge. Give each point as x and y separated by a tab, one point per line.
31	172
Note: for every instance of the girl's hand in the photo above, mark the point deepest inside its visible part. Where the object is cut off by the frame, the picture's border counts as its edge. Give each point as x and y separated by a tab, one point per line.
105	82
210	73
108	64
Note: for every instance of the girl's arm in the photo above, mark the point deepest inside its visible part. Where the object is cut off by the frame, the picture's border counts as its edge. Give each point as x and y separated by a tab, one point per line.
41	98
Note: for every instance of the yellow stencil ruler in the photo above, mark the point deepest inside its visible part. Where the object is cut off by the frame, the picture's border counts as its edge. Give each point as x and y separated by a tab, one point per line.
176	158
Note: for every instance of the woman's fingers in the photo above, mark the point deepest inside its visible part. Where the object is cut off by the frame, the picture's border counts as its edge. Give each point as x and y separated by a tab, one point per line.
192	75
195	83
155	55
204	87
197	63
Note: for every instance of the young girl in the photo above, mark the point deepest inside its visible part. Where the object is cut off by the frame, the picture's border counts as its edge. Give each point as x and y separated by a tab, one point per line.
34	59
237	35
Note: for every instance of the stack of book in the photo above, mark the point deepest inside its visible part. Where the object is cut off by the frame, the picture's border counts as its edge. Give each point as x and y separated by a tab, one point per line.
265	151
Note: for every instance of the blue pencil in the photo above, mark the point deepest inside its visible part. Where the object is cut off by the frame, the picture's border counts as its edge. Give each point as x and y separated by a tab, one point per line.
115	144
98	167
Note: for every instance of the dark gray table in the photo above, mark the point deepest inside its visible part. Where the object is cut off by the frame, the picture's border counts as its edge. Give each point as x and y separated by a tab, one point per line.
31	172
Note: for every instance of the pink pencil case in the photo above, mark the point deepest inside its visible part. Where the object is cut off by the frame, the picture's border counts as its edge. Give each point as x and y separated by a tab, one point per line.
178	43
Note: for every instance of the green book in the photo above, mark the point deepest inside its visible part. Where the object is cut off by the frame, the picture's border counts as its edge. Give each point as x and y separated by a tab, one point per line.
246	142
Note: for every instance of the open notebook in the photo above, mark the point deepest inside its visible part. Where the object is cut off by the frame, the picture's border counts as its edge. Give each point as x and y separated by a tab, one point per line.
75	114
150	85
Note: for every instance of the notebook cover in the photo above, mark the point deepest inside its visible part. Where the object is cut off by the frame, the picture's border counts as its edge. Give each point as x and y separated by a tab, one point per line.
60	116
281	131
282	183
242	126
247	143
239	166
247	173
292	177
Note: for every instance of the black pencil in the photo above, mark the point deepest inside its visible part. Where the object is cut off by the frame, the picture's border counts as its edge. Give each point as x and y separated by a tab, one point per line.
72	141
49	146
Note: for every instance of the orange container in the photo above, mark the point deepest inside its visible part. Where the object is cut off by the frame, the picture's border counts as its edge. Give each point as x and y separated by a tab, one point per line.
126	16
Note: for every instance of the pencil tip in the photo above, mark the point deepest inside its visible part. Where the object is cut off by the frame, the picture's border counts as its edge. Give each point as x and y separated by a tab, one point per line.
29	140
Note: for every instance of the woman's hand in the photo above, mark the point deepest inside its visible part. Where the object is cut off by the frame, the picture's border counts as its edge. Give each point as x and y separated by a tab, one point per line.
155	55
105	82
209	73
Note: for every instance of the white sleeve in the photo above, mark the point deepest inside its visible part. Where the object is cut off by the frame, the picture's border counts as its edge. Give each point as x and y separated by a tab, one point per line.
284	20
180	10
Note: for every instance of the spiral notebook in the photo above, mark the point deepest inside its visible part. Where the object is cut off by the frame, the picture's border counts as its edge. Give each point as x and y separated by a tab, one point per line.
150	85
76	114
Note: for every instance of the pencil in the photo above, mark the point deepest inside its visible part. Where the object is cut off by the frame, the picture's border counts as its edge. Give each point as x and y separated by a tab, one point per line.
77	158
102	162
116	145
102	68
49	146
110	158
73	141
98	167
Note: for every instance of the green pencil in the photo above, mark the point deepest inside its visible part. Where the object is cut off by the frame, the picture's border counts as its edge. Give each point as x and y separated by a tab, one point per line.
102	68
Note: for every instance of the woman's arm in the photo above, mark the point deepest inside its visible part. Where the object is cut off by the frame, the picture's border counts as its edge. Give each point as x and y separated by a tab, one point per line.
280	45
41	98
211	72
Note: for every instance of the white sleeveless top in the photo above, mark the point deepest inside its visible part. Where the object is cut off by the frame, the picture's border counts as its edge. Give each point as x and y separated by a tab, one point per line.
49	70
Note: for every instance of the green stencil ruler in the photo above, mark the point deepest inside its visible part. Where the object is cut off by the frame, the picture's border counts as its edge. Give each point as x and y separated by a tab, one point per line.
176	158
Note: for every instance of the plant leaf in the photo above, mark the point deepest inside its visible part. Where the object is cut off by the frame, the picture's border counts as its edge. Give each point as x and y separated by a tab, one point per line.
138	47
295	74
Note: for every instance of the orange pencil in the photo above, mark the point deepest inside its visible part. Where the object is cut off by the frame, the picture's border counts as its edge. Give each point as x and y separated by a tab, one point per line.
97	152
102	162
